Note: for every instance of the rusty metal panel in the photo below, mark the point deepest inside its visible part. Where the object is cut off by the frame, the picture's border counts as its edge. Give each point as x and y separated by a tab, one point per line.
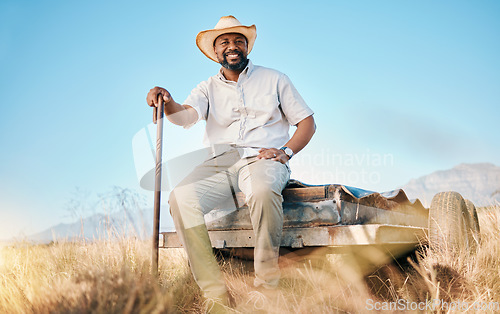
229	219
323	215
170	239
332	236
295	214
386	200
309	194
220	239
355	214
375	234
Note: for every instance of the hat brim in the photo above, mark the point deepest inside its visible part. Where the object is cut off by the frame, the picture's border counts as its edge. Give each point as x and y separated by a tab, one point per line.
205	39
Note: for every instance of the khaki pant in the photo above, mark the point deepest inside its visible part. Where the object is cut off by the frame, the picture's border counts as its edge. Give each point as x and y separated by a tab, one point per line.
211	183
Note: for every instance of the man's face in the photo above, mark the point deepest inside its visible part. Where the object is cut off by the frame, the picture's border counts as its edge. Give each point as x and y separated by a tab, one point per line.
231	50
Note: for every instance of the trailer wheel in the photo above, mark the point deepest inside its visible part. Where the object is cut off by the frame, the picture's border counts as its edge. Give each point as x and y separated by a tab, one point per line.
476	231
449	223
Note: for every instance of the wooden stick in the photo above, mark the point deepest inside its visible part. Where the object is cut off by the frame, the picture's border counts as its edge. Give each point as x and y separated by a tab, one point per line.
158	119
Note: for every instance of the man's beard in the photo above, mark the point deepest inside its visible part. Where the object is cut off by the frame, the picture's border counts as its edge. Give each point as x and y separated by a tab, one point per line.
235	67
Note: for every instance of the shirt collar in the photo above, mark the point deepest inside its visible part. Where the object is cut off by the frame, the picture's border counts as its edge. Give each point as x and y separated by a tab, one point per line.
247	71
249	68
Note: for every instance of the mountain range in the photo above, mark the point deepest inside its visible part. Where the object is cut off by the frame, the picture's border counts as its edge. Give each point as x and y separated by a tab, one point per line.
137	223
480	183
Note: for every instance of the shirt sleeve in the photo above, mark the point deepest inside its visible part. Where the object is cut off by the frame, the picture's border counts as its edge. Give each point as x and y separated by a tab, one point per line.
292	104
198	99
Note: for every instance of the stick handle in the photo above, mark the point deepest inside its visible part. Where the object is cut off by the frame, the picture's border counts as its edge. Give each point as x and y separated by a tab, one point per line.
156	111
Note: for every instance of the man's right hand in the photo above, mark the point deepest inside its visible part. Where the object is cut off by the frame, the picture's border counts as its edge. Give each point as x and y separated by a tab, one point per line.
175	113
152	98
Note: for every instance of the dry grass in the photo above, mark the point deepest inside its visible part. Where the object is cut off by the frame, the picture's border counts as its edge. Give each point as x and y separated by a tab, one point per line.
113	276
467	281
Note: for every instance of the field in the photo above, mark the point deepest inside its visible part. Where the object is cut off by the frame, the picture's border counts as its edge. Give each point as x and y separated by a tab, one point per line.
113	276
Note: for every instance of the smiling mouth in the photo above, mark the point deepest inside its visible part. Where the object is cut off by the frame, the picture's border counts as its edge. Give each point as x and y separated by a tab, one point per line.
234	60
233	55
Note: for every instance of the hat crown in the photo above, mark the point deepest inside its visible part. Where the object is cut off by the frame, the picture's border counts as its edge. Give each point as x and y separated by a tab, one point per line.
226	22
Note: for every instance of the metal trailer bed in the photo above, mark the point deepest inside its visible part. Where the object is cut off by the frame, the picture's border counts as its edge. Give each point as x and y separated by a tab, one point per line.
336	218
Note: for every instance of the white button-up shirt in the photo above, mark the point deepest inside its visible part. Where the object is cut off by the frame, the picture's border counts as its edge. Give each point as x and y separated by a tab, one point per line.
253	113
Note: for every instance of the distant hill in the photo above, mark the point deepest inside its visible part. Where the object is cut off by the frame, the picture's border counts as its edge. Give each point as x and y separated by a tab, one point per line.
99	226
479	183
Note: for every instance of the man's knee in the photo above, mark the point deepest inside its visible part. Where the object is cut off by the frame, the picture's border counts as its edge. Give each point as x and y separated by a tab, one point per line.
172	202
185	208
264	193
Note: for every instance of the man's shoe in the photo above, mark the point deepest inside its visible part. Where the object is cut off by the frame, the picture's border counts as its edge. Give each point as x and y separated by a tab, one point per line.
222	304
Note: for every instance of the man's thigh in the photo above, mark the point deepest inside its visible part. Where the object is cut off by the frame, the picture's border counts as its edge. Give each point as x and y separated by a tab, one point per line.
206	186
263	174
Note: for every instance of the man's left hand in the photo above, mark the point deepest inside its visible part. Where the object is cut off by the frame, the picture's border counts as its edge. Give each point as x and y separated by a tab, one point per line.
273	154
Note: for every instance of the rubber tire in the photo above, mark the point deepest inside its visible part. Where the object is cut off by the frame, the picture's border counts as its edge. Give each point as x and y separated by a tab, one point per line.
449	223
476	231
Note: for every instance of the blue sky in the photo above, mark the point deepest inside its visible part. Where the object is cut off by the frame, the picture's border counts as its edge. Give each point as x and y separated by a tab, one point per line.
399	88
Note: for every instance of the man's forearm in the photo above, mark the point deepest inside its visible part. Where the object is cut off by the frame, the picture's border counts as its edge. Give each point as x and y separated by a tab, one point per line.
180	114
303	134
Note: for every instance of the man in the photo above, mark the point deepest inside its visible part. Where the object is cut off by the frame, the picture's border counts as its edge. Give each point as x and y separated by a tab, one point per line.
248	110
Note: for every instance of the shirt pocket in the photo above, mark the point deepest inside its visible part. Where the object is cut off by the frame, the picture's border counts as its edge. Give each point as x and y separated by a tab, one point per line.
264	110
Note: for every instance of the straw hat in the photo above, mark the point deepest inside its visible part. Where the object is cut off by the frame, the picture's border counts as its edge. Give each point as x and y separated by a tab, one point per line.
227	24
